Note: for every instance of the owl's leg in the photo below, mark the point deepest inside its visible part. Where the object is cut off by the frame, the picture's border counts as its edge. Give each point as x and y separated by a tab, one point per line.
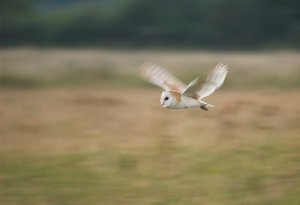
204	107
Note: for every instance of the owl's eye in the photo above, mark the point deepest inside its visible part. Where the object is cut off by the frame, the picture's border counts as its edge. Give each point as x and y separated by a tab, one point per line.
166	98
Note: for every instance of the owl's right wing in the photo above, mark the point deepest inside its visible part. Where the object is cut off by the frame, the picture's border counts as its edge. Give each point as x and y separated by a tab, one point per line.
161	77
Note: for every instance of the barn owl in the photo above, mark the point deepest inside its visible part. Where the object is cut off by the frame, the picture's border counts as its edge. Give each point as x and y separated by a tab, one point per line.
178	95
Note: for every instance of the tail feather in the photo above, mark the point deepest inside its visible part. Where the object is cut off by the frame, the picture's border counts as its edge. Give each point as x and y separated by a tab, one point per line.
206	104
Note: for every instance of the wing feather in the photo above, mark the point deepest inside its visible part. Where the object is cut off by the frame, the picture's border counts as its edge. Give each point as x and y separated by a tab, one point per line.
192	88
214	81
161	77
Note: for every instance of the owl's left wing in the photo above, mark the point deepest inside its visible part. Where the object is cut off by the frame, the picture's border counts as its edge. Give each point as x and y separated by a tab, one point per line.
161	77
212	83
192	88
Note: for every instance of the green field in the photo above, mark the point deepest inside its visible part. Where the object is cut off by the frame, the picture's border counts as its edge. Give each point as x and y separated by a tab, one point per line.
80	127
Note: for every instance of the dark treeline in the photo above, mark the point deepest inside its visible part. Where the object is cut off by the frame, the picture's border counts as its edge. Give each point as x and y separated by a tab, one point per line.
147	23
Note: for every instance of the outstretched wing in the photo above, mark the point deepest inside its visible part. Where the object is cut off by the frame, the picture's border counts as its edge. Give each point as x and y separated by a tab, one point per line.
214	81
161	77
192	88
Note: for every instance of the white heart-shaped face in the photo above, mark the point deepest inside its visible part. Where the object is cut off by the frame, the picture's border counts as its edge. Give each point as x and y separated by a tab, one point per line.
166	99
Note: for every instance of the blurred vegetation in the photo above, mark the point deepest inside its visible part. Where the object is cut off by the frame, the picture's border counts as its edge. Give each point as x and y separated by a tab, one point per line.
262	174
75	77
40	68
99	77
229	24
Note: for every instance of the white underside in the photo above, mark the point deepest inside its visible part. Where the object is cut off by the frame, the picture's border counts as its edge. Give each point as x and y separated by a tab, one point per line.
188	102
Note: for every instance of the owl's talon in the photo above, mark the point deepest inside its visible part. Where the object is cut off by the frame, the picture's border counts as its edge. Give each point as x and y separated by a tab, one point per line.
204	107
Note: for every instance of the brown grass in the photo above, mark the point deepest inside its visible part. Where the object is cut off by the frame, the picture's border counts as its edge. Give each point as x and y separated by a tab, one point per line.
57	120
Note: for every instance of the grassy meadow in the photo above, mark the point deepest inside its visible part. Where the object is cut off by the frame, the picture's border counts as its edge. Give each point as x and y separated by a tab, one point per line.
80	127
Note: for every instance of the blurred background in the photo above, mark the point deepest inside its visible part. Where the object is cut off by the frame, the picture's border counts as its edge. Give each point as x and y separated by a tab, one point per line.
139	23
79	126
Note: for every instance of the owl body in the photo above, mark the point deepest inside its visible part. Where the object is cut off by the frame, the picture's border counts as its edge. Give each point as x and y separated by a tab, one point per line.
177	95
174	100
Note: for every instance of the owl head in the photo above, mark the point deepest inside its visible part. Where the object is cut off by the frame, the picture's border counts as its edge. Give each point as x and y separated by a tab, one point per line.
166	99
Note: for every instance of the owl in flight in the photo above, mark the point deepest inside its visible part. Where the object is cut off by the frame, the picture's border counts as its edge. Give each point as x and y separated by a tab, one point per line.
178	95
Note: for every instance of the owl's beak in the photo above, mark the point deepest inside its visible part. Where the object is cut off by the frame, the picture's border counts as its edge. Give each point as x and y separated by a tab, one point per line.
162	102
